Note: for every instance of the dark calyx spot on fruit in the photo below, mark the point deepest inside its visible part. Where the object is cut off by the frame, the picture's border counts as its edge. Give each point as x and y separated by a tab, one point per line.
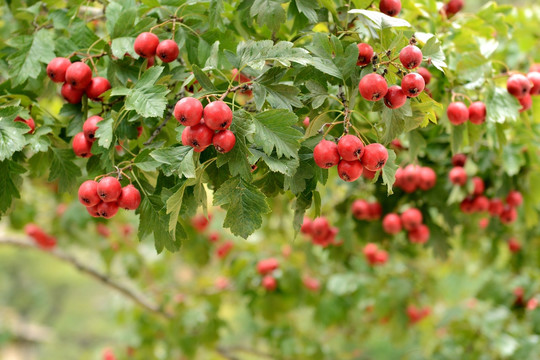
376	96
103	213
413	91
524	90
345	177
380	164
86	200
412	64
388	103
73	83
362	59
328	165
391	13
358	152
103	194
84	154
91	135
182	119
195	143
51	74
223	124
220	149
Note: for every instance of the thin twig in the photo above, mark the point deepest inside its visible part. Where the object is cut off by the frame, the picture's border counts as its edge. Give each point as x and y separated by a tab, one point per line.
346	111
244	87
157	131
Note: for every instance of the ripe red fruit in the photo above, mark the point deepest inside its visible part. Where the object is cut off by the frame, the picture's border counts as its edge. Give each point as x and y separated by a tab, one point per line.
458	176
514	198
88	195
409	178
151	62
373	87
188	111
392	224
368	174
56	69
146	44
453	7
167	51
70	94
108	354
395	97
459	160
269	283
81	146
213	237
199	137
306	121
467	205
365	53
41	238
483	223
410	56
534	78
496	207
320	226
217	115
130	199
526	103
326	154
375	157
107	209
90	127
479	186
109	189
477	112
514	245
481	203
375	211
97	86
380	257
266	266
419	234
239	77
411	218
428	178
30	122
370	250
508	215
360	209
311	284
78	75
200	222
93	210
518	85
306	227
413	84
425	74
224	141
457	112
349	170
390	7
350	147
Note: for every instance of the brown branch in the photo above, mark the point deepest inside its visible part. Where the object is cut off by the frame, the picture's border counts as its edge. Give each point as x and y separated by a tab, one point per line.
157	131
137	298
234	89
347	111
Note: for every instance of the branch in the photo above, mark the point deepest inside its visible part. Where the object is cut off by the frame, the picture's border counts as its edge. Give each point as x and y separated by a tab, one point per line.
234	89
139	299
157	131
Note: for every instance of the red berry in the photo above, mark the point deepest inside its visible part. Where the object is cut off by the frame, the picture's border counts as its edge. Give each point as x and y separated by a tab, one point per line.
151	62
97	86
373	87
88	195
130	199
360	209
199	137
459	160
375	157
479	186
514	245
390	7
409	178
200	222
93	210
413	84
508	215
70	94
78	75
326	154
90	127
457	112
188	111
365	53
269	283
41	238
518	85
410	56
30	122
453	7
307	226
239	77
224	141
425	74
350	148
526	103
395	97
375	211
81	146
167	51
368	174
392	224
320	227
370	250
266	266
481	203
411	218
217	115
213	237
56	69
349	170
311	284
107	209
306	121
467	205
477	112
534	78
458	176
419	234
109	189
514	198
428	178
380	257
496	207
146	44
224	249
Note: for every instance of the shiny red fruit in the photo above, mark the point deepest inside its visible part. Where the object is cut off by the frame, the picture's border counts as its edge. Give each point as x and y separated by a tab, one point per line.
349	170
200	222
458	176
410	56
375	157
479	186
78	75
56	69
188	111
266	266
360	209
392	224
419	234
88	195
307	226
457	112
514	198
326	154
413	84
167	51
107	209
199	137
93	210
395	97
81	146
70	94
224	141
477	112
425	74
526	103
390	7
90	127
411	218
109	189
518	85
496	207
427	178
97	87
130	199
453	7
373	87
481	203
365	53
459	160
311	284
217	115
320	227
534	78
350	147
146	44
269	283
508	215
514	245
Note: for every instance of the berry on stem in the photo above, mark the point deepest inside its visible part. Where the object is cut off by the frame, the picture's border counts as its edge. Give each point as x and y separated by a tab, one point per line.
70	94
130	198
390	7
78	75
425	74
534	78
375	157
526	103
88	195
107	209
395	97
419	234
217	115
167	51
365	53
392	224
97	86
326	154
224	141
518	85
477	112
411	218
428	178
30	122
410	56
458	176
350	148
349	170
109	189
90	127
457	112
514	198
199	137
188	111
373	87
413	84
56	69
146	44
81	146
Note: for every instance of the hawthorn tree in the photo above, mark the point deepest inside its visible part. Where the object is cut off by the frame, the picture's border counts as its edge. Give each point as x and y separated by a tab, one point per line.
358	145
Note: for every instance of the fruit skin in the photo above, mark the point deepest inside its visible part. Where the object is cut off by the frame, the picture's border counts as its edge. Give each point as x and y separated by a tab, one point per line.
146	44
467	205
107	209
453	7
30	122
269	283
217	115
326	154
130	199
188	111
360	209
224	141
392	224
81	146
395	97
458	176
526	103
459	160
167	51
479	186
200	222
368	174
88	195
56	69
413	84
41	238
93	211
518	85
481	203
373	87
477	112
425	74
70	94
307	226
390	7
109	189
514	245
375	211
534	78
306	121
199	137
375	157
365	53
78	75
90	127
97	86
514	198
496	207
349	170
266	266
411	218
320	227
224	249
508	215
410	56
419	234
428	178
457	112
350	147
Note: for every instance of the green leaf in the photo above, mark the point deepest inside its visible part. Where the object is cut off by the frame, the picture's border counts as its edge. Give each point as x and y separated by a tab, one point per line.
245	205
174	204
501	106
268	12
433	53
144	161
303	202
274	130
148	101
176	160
121	46
308	7
104	133
203	79
283	166
394	121
280	96
63	168
389	172
154	221
379	20
237	158
256	53
9	178
11	136
38	141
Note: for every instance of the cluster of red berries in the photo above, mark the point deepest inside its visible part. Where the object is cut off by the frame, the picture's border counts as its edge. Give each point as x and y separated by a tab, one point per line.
367	211
266	267
77	79
453	7
202	123
416	314
458	113
351	156
42	239
410	220
103	198
507	213
147	45
82	142
523	87
519	300
374	255
413	177
200	223
514	245
320	231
